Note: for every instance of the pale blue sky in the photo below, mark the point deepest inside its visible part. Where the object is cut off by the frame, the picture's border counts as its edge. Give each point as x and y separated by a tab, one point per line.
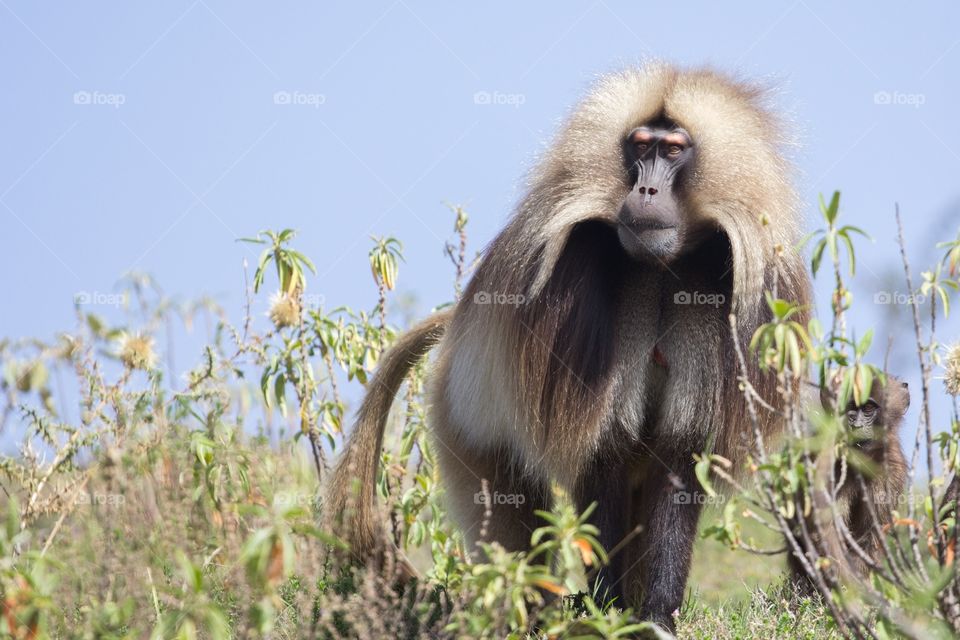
148	136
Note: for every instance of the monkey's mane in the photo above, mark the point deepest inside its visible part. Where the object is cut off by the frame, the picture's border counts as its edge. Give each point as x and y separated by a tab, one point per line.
738	179
561	338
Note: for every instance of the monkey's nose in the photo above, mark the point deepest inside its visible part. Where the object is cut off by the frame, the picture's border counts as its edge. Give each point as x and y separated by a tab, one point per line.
649	192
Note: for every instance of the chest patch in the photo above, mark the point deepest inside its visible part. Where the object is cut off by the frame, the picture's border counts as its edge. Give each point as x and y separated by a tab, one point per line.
659	358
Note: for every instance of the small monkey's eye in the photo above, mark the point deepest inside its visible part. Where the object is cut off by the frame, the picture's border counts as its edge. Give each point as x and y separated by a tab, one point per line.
674	150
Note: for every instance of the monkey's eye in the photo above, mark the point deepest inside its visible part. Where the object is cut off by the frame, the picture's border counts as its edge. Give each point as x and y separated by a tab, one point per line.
674	150
640	139
869	409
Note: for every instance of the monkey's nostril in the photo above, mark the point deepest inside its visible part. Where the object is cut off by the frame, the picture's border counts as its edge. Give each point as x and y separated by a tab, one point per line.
642	190
653	191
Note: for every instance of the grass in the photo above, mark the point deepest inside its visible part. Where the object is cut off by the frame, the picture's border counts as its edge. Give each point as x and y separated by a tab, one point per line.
724	576
119	558
733	594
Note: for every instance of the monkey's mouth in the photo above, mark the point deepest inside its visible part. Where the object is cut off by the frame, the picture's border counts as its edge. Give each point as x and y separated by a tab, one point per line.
655	243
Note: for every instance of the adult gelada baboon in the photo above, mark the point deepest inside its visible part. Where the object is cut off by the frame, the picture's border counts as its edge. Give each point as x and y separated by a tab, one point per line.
592	346
871	488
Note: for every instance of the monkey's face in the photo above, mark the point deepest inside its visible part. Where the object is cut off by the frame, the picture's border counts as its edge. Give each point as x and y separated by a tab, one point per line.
651	223
884	409
863	419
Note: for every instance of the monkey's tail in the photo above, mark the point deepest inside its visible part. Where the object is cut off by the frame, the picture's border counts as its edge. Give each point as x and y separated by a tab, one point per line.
349	509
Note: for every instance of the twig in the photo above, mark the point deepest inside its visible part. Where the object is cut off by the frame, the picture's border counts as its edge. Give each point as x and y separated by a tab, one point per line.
153	592
924	375
63	515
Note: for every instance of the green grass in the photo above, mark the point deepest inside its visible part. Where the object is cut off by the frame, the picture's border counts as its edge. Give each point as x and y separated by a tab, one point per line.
739	595
724	576
119	568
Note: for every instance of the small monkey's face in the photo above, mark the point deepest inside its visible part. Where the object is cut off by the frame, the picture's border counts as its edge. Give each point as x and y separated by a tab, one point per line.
884	409
862	419
652	222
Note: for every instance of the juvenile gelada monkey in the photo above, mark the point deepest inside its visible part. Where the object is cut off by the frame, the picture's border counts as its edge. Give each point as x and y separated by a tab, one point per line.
663	205
868	492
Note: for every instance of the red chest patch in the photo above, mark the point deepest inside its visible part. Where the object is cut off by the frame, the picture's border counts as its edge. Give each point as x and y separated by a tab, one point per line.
659	358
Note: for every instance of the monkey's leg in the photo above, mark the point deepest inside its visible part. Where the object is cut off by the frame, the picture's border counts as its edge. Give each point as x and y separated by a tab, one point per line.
864	529
605	483
800	582
512	496
669	510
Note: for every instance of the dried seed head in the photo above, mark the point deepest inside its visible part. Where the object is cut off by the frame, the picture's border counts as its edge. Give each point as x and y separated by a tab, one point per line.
951	378
136	351
284	310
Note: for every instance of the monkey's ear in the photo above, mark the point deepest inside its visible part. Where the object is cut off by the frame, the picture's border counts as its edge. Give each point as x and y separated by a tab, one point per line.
896	395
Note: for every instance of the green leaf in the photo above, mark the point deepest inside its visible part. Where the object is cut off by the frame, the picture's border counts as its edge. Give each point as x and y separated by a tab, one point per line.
850	228
702	470
302	259
795	354
817	256
866	384
833	209
13	518
864	345
853	258
265	387
278	392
